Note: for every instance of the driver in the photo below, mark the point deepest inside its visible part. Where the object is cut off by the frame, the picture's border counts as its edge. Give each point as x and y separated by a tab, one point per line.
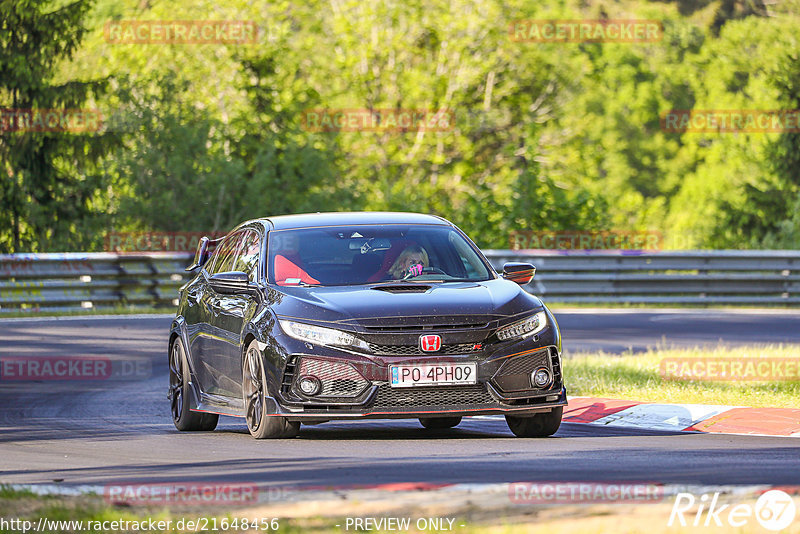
409	263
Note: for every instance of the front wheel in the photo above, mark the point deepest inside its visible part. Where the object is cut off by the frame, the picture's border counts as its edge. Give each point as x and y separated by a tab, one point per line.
438	423
260	424
185	419
539	425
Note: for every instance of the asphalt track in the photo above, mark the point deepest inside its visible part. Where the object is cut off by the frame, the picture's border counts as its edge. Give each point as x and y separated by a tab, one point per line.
119	430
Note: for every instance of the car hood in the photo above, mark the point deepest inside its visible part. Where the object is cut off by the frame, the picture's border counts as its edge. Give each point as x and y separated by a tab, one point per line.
441	303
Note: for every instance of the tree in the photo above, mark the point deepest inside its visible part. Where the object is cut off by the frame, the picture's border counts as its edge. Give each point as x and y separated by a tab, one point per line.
49	179
768	216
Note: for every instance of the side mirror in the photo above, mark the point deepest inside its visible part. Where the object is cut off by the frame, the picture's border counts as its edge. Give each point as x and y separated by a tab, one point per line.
521	273
200	255
230	282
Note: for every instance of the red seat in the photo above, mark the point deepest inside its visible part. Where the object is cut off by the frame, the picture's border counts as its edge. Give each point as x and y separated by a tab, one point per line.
286	269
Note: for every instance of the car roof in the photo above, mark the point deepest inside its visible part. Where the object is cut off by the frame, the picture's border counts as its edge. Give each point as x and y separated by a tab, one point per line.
309	220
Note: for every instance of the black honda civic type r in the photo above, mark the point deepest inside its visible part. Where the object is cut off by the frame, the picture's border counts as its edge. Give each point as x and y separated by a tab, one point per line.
311	318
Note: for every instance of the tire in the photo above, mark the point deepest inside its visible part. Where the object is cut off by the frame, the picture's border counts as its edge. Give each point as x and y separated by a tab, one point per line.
260	424
539	425
438	423
185	420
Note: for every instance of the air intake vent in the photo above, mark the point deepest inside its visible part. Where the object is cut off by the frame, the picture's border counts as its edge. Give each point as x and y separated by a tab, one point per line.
433	398
514	374
338	379
406	288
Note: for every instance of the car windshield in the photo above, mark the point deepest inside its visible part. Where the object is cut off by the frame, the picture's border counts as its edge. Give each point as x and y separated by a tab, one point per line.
355	255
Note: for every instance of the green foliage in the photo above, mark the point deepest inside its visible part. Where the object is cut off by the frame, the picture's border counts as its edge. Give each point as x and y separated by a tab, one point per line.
546	136
49	177
170	173
769	211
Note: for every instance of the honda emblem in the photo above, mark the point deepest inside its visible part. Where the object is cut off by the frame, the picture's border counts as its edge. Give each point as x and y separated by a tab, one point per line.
430	343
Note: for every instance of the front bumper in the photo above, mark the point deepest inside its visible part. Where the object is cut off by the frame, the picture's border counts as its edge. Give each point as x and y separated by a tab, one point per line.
387	403
503	387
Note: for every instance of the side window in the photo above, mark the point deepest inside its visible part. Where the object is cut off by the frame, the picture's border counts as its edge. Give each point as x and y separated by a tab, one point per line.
226	254
247	261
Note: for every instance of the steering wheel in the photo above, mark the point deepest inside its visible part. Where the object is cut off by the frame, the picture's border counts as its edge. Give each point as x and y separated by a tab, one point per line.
435	270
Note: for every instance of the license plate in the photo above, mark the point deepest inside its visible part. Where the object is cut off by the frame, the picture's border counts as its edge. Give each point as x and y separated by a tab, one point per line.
443	374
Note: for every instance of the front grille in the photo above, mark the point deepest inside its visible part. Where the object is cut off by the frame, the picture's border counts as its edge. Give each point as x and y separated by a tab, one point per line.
337	379
414	350
342	387
524	365
426	397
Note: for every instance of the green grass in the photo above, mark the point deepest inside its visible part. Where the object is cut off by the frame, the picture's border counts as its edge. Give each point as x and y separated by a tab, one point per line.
9	493
637	377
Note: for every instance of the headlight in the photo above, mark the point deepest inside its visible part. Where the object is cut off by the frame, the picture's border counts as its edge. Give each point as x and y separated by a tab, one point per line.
317	334
526	327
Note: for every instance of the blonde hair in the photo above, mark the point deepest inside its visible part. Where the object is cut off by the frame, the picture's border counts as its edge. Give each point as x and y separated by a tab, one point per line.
397	270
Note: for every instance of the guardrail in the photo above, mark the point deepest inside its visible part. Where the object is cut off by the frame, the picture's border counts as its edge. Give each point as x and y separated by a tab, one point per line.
739	277
79	281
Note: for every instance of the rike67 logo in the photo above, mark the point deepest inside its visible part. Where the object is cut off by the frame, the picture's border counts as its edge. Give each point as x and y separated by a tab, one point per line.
774	510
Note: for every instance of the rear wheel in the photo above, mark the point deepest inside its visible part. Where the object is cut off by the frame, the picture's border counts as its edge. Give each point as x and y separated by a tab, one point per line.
539	425
435	423
185	419
259	423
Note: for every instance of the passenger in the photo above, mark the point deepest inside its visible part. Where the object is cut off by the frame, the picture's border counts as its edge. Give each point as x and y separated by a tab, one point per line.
409	263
